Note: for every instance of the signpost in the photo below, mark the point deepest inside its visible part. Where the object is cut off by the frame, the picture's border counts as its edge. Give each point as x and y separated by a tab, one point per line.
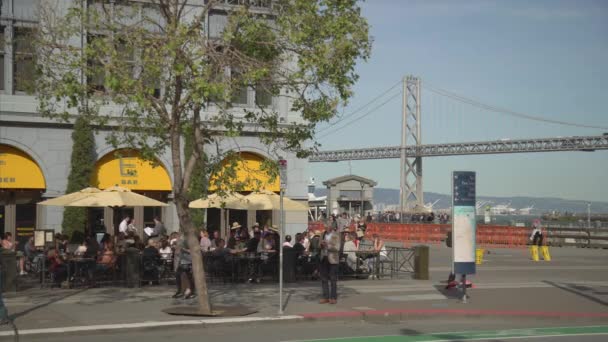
463	225
283	180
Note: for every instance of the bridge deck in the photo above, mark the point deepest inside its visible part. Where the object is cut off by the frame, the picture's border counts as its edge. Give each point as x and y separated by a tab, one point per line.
585	143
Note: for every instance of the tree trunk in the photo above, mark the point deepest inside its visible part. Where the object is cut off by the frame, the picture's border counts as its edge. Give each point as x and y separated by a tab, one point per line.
198	269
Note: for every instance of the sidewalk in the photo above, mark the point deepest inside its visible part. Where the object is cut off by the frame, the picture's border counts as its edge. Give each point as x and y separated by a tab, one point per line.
574	286
116	308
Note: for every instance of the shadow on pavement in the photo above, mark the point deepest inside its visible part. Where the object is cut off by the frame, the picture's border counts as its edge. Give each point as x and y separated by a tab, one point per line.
39	306
451	293
579	291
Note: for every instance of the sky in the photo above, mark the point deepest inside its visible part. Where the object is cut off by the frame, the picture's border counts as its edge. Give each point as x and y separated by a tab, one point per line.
547	58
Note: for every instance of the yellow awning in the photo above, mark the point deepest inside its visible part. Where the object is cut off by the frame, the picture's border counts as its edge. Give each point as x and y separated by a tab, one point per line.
126	168
18	170
250	176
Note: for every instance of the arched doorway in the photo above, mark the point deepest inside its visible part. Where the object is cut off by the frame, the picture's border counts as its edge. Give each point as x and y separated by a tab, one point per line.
22	183
128	169
250	176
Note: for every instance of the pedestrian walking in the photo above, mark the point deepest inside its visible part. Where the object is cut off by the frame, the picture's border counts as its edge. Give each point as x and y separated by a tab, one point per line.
328	269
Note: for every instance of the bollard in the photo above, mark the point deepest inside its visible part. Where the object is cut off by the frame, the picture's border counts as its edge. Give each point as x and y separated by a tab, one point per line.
545	251
479	256
421	262
8	259
534	253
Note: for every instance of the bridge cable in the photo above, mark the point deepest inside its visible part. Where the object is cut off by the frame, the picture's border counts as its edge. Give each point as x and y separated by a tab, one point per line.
498	110
381	95
361	116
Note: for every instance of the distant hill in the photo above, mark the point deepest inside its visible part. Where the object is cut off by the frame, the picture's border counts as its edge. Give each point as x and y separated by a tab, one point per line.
541	204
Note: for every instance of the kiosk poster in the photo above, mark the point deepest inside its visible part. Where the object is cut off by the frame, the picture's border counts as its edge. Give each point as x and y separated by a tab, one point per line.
463	221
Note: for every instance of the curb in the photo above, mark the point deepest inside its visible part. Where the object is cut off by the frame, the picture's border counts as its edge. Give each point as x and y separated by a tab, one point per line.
403	314
369	315
154	325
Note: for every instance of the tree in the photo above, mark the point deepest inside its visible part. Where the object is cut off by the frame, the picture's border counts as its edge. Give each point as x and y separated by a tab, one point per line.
198	185
81	168
152	70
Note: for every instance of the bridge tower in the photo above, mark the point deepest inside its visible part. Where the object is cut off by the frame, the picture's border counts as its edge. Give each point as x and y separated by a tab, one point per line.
411	166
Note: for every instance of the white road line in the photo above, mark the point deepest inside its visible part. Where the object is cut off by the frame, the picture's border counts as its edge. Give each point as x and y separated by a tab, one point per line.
153	324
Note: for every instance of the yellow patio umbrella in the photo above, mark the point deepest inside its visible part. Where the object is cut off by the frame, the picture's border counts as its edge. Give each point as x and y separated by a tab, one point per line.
230	200
267	200
113	197
116	196
71	197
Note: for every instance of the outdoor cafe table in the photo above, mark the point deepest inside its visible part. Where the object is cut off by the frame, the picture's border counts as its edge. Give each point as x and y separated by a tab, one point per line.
76	267
366	254
240	264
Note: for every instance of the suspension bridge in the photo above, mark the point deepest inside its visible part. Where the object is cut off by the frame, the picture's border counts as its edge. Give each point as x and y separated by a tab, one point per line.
412	150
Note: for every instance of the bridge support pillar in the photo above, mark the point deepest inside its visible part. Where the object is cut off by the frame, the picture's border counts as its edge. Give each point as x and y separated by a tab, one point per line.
411	134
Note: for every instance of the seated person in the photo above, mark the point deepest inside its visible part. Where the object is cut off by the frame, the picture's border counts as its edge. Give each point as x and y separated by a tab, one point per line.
349	249
382	255
299	246
151	261
268	252
121	242
81	250
107	258
287	242
32	254
220	256
166	253
57	268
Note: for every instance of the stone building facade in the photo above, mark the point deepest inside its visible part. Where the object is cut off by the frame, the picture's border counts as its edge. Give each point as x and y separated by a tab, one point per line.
35	151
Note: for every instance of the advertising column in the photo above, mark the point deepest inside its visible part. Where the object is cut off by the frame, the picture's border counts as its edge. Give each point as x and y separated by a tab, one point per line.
463	224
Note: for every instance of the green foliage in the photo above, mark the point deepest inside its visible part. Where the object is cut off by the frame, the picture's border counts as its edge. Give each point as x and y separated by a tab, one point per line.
81	168
150	78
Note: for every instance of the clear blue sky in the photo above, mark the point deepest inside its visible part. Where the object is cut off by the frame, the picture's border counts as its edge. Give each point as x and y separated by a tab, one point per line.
547	58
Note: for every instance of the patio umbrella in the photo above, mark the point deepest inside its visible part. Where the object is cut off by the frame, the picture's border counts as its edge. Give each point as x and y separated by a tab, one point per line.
267	200
113	197
116	196
69	198
231	200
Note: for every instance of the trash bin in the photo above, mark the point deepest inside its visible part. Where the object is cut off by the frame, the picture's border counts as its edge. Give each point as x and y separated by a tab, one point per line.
421	262
8	263
289	265
132	267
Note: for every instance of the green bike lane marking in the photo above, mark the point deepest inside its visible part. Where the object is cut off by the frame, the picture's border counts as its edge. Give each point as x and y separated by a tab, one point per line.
478	335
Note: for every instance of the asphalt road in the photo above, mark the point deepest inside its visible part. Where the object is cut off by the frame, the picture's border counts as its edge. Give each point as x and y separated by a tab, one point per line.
452	329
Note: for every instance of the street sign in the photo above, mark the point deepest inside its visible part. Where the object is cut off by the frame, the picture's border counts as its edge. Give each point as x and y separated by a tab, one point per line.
283	173
463	221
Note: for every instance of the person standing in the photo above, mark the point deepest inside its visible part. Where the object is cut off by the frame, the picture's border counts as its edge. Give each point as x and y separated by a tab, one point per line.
330	257
537	234
159	228
204	242
343	222
124	224
184	267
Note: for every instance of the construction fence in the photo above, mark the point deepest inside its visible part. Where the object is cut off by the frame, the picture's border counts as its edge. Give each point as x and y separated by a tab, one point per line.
487	235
